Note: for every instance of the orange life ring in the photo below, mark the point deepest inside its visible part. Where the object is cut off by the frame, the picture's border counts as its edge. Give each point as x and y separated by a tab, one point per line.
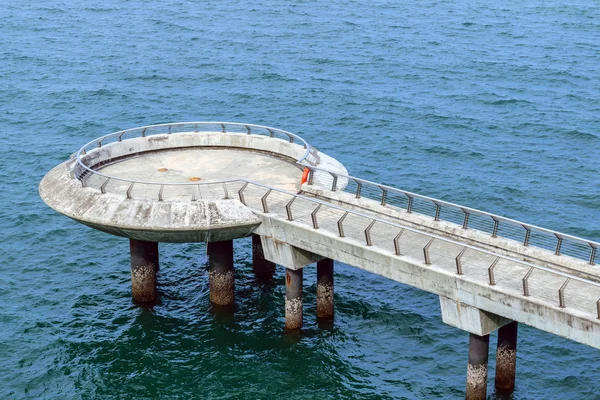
304	176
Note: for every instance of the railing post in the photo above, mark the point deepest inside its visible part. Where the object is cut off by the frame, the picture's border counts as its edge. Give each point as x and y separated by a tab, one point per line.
103	187
383	196
491	271
368	233
358	189
593	255
459	270
438	209
160	193
313	215
397	243
409	206
334	183
225	191
264	201
466	220
223	128
526	282
129	189
340	224
527	235
248	129
561	293
241	193
288	209
559	241
426	251
311	176
495	229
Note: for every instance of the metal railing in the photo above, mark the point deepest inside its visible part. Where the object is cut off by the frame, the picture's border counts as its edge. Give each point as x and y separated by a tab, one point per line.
82	170
349	224
467	217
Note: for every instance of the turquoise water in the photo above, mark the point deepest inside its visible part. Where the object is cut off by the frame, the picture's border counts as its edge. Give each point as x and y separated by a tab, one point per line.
491	106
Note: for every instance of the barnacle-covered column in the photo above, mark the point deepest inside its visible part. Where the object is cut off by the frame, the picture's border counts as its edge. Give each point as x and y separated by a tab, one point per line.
506	358
220	272
293	298
144	265
325	289
477	367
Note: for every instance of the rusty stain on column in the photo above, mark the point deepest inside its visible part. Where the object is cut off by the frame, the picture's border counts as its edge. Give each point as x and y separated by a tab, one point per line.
325	307
293	298
220	272
477	369
263	268
144	265
506	358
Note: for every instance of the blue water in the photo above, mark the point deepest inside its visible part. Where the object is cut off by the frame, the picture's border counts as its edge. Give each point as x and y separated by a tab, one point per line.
494	106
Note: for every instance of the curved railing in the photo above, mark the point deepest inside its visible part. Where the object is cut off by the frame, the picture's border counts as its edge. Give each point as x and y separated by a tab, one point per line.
466	217
81	170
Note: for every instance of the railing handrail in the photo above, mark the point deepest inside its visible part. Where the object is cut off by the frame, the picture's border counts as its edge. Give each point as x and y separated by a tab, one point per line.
303	162
470	210
119	134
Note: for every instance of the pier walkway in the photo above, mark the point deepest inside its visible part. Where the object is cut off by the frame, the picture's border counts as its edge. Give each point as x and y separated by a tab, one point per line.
215	182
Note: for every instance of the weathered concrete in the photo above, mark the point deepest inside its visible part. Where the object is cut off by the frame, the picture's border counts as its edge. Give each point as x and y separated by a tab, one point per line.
470	319
577	321
477	368
293	298
500	245
262	267
144	265
325	304
506	358
171	211
281	253
220	272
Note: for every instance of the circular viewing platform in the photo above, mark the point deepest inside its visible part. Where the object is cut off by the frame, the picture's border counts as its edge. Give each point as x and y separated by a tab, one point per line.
180	182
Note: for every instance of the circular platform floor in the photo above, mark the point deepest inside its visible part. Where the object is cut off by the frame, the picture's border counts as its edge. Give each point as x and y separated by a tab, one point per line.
203	165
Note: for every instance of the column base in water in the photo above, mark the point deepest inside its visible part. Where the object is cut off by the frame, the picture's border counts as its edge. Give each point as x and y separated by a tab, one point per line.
144	265
325	306
477	369
506	358
220	272
293	298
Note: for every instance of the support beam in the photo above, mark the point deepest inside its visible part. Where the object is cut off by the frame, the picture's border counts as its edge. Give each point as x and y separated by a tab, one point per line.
293	298
281	253
325	307
469	318
506	358
262	267
477	367
144	265
220	272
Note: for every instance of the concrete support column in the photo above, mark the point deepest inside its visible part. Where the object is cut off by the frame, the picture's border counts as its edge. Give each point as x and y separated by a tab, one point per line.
325	289
293	298
262	267
477	367
144	265
506	358
220	272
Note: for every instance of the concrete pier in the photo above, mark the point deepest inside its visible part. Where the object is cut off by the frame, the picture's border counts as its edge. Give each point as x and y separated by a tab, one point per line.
220	272
263	268
144	265
506	358
293	298
477	369
325	305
